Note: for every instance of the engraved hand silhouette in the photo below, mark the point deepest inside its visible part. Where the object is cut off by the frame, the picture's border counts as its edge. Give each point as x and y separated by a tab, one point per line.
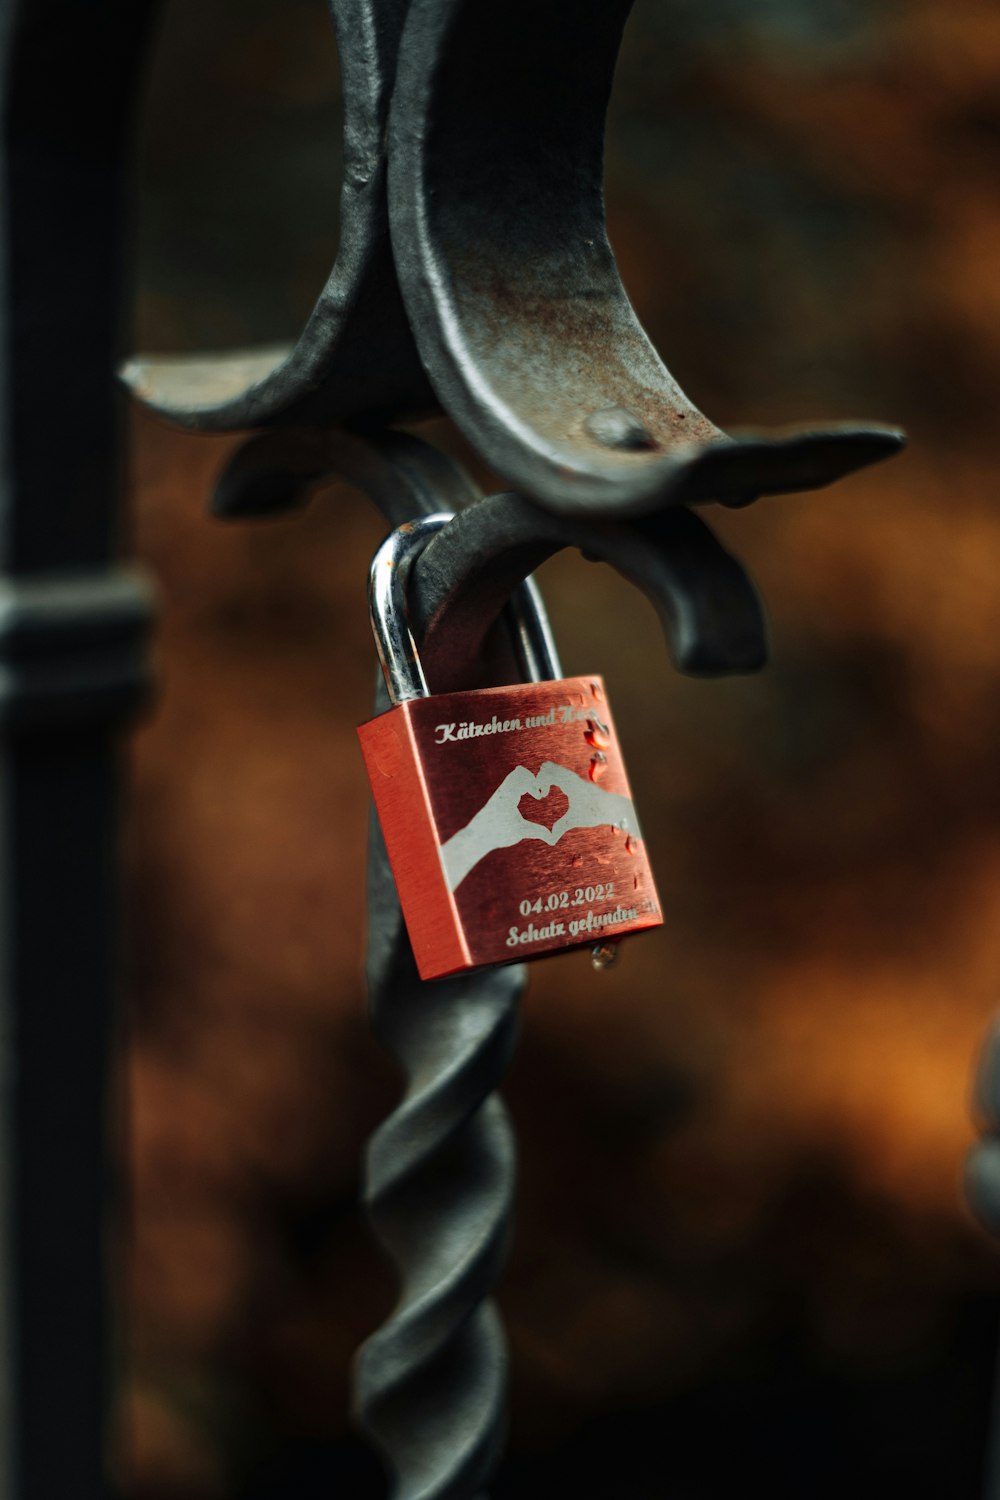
590	806
498	825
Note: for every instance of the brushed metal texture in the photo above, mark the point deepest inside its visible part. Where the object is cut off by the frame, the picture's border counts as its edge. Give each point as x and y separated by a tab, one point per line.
509	823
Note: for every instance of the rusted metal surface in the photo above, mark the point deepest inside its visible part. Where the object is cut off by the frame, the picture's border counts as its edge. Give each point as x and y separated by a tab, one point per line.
476	201
497	213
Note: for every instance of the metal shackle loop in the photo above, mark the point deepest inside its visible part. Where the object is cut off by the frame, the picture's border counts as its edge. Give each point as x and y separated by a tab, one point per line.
397	650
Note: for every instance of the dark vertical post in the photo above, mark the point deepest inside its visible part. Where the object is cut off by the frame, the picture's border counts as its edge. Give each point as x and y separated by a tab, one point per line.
72	633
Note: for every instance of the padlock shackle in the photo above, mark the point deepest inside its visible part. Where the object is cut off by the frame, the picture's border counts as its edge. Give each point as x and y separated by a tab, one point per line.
533	640
397	650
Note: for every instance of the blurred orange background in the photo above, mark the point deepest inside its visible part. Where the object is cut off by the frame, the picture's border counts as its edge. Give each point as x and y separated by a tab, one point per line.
741	1248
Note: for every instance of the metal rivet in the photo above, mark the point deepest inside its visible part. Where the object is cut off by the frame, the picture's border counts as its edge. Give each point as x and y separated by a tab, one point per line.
617	427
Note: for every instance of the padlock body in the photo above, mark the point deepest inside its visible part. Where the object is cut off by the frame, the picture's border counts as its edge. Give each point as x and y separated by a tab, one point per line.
509	824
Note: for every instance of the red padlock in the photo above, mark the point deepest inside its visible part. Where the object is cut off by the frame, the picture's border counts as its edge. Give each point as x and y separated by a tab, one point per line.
506	811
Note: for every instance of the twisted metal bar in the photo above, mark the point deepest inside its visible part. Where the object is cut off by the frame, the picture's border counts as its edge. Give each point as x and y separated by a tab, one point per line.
440	1172
431	1383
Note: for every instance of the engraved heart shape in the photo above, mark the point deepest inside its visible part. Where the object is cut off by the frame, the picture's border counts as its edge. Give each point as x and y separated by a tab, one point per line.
546	810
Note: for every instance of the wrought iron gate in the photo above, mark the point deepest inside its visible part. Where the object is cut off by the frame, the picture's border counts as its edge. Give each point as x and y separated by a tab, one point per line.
475	275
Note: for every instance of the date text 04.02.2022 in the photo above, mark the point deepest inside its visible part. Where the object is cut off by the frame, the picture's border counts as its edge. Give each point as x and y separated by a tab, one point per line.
560	900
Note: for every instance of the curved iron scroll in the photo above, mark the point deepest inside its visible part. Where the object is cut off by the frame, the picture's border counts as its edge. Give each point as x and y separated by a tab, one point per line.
497	213
355	358
493	153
